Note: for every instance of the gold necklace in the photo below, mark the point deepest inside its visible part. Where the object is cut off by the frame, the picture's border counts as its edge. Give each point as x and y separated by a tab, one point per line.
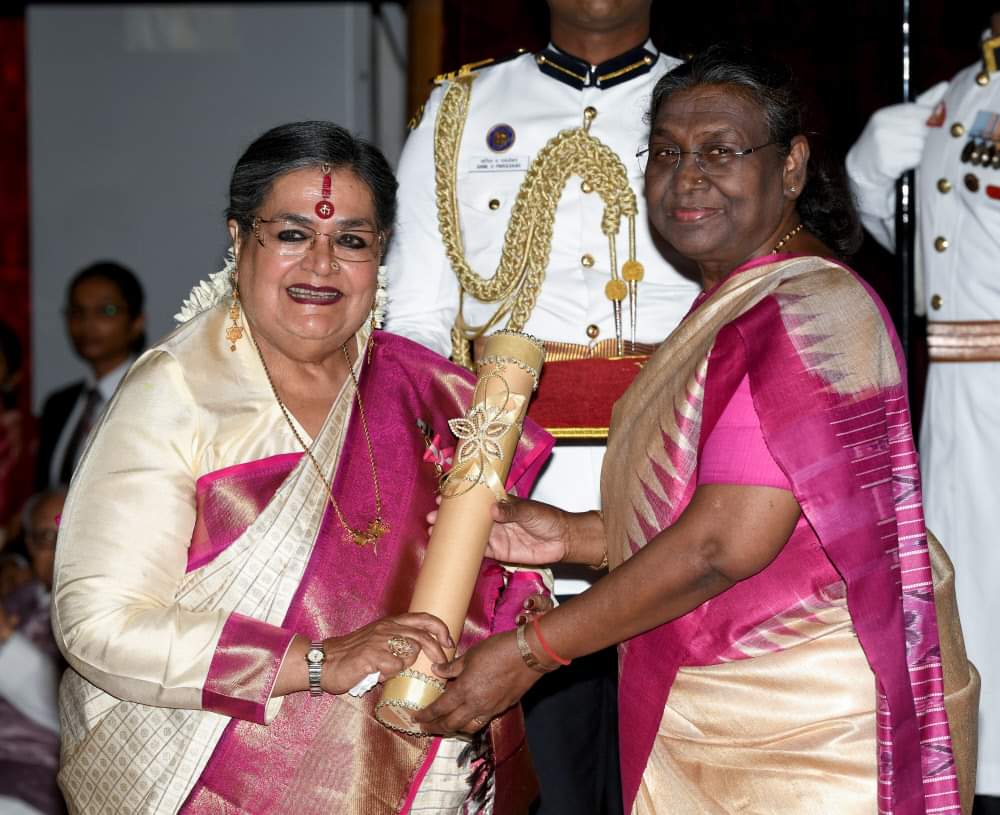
791	233
377	527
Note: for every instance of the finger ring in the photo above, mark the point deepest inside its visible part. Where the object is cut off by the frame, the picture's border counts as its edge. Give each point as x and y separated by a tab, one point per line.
400	647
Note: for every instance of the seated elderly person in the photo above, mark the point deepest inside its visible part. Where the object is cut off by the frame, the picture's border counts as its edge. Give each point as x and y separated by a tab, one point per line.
243	533
771	583
30	666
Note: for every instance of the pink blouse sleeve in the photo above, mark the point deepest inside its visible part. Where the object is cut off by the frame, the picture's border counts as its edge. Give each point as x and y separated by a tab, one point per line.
735	452
244	668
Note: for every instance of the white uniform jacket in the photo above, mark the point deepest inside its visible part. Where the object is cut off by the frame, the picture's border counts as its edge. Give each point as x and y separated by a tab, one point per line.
535	101
959	247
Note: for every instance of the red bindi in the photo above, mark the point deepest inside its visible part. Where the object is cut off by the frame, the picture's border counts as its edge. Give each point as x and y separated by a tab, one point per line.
325	208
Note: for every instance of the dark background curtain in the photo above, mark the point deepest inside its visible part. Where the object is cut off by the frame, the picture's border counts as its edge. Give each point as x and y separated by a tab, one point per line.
14	278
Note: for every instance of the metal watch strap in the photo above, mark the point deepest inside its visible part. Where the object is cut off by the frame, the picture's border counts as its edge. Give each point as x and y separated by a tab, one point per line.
527	654
315	669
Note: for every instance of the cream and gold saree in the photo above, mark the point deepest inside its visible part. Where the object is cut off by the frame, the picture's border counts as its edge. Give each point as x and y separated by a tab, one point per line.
197	541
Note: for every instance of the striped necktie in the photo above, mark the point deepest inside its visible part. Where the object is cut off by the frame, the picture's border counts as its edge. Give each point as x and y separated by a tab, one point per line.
88	418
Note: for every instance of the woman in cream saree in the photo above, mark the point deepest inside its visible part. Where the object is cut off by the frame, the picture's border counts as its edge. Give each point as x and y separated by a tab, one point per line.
203	550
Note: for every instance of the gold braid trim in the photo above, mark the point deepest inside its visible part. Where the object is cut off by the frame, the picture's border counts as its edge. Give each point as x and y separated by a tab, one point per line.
528	240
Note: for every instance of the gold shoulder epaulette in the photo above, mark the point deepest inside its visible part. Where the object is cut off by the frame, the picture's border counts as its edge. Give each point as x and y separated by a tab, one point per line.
416	117
472	67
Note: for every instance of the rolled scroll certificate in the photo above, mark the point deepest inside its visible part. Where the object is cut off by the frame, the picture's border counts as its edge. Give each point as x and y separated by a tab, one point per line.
487	437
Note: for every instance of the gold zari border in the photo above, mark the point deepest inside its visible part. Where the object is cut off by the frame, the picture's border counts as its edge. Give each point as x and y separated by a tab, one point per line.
578	432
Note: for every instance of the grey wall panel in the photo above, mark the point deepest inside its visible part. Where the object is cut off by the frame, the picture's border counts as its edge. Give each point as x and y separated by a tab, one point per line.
137	114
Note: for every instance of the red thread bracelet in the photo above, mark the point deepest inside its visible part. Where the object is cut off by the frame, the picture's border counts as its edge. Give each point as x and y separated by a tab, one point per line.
545	645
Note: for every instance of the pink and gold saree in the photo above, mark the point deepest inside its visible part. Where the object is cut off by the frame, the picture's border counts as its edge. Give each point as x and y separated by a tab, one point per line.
826	664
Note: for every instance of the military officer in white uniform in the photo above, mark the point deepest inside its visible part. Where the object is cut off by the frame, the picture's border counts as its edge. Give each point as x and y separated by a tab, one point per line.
952	136
461	173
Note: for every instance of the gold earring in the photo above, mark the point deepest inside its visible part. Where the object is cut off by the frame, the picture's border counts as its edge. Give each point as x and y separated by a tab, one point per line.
381	298
235	331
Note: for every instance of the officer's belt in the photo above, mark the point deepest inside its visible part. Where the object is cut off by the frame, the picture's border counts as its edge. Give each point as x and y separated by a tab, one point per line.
963	340
605	349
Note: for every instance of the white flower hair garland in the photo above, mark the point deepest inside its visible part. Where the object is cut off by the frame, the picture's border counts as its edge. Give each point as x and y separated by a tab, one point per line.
208	293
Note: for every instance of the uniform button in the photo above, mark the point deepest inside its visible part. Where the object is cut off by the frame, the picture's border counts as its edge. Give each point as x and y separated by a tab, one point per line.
587	261
982	78
590	111
593	331
957	129
936	301
586	186
940	243
944	185
494	203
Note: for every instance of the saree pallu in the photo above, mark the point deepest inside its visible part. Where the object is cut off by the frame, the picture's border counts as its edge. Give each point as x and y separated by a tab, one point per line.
773	709
267	559
828	385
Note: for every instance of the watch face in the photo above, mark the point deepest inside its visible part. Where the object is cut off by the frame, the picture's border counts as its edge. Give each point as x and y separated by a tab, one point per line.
315	656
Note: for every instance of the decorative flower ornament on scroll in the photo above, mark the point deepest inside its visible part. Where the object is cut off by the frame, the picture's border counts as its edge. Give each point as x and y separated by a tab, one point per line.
479	434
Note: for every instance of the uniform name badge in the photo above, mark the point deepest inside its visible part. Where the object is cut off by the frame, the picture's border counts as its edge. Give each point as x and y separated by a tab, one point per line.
499	164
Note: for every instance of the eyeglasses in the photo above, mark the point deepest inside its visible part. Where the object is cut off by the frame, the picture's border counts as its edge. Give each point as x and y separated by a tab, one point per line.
711	159
296	239
106	311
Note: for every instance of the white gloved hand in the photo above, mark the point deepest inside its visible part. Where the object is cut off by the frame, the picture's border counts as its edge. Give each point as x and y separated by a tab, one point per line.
893	140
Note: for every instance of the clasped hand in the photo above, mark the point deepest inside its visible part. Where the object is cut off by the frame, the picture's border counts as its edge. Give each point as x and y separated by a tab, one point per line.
366	650
484	682
524	532
491	677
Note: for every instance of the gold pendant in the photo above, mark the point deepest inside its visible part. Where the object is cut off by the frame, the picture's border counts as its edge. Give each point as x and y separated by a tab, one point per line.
371	534
233	333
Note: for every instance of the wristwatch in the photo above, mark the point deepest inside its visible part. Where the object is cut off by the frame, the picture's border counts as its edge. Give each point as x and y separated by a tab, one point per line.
315	657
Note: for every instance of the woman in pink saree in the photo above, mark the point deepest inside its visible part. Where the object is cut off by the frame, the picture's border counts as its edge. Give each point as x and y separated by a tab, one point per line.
771	583
242	536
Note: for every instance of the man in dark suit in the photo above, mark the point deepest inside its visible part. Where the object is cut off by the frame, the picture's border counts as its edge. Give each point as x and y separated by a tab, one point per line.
105	322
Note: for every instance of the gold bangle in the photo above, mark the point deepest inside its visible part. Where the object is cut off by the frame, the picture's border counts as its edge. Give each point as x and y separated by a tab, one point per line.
527	654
